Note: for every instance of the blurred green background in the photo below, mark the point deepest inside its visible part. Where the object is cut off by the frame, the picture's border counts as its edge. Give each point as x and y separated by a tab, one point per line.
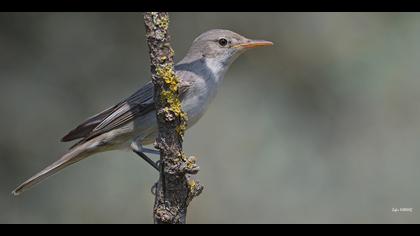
323	127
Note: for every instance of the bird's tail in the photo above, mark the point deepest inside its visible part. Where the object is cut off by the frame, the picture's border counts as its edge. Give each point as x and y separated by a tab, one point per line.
72	156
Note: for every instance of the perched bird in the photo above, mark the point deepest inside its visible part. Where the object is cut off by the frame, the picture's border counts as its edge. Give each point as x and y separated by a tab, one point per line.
132	122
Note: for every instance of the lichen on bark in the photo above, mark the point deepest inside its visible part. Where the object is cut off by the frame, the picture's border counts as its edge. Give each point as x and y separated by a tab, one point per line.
176	187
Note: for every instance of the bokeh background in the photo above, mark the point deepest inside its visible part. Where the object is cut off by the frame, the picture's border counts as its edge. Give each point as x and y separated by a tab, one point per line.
323	127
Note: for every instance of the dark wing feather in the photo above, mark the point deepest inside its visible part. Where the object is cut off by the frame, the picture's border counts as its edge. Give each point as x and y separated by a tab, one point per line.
87	126
94	123
138	104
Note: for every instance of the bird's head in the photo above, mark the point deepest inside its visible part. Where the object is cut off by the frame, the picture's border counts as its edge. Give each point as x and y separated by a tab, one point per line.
221	47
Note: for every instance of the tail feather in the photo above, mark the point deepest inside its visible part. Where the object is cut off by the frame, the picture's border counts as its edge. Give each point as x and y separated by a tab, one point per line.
71	157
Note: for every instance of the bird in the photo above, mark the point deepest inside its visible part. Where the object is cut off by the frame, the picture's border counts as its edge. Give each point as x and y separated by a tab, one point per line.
132	124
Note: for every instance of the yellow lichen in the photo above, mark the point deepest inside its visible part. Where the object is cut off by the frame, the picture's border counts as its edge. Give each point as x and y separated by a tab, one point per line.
160	20
168	76
191	185
164	23
190	164
170	95
165	71
181	129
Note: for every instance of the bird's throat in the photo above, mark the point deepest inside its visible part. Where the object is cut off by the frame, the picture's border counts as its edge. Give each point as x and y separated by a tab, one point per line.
217	68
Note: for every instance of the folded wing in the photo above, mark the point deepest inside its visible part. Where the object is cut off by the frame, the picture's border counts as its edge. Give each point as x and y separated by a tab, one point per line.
138	104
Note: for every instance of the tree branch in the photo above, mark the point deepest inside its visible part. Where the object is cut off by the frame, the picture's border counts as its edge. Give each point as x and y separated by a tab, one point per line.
176	187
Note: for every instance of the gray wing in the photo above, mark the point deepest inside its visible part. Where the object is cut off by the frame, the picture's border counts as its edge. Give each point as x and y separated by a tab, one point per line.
138	104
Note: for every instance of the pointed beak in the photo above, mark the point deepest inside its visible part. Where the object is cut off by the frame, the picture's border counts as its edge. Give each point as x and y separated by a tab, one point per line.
253	44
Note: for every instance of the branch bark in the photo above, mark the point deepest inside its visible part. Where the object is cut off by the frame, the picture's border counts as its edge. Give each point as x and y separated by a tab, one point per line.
176	187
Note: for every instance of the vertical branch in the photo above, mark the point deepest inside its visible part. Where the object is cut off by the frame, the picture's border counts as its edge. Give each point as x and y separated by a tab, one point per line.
175	188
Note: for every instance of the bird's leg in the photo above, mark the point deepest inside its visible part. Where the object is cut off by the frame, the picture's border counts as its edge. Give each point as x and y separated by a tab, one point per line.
139	150
151	151
147	159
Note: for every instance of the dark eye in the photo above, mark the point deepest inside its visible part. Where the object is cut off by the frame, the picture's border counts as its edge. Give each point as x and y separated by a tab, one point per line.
223	42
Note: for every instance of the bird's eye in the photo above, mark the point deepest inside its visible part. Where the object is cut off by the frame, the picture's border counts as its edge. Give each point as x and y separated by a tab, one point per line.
223	42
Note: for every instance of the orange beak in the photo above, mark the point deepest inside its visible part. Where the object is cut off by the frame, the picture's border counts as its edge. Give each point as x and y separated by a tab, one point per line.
253	44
